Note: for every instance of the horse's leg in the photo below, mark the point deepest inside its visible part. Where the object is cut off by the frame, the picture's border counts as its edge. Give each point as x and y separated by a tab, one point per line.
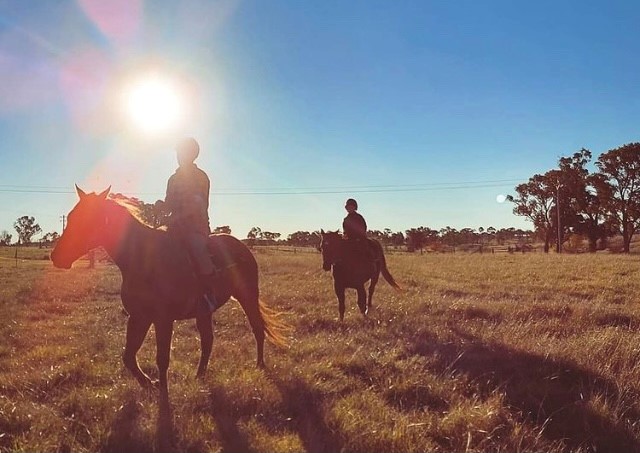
339	289
164	332
372	288
203	323
362	299
136	331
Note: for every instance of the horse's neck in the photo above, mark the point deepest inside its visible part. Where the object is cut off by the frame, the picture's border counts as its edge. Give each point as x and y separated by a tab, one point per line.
127	241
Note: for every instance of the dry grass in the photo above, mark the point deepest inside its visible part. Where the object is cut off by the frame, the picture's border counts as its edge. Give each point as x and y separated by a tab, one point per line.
479	353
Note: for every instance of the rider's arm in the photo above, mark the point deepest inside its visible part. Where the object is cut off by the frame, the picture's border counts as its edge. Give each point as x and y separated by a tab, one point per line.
171	198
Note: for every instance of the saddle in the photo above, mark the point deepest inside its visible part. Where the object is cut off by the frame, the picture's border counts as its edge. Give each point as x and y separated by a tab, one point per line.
221	258
362	248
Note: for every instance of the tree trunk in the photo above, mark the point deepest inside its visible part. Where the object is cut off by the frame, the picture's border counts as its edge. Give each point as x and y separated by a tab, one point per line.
626	238
627	242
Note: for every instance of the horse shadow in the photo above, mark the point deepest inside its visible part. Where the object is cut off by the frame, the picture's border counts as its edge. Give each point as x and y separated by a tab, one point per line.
304	406
551	393
226	417
127	435
300	405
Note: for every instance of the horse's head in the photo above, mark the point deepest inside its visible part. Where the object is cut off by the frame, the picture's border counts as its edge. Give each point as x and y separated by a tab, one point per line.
330	247
85	222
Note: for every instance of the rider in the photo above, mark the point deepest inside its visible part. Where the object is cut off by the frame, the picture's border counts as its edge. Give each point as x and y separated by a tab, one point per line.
187	200
355	229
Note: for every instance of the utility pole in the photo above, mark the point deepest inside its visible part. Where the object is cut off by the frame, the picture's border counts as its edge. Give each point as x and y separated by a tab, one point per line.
559	248
64	221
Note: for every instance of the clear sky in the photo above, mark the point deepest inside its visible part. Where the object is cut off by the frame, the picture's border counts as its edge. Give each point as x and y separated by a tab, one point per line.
424	111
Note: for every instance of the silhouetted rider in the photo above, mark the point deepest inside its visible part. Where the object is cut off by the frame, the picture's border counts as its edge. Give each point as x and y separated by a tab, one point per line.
187	200
355	230
354	226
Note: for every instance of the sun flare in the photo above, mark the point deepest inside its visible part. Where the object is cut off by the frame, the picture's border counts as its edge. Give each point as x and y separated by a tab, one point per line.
154	104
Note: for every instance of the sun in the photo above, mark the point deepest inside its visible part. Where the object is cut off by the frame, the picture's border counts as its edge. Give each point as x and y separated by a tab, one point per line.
154	104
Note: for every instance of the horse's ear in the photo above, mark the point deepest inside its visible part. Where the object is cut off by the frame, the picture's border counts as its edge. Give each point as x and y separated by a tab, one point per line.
81	193
104	194
321	231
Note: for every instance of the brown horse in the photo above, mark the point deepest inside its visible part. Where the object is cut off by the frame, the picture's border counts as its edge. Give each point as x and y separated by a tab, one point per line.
158	283
352	268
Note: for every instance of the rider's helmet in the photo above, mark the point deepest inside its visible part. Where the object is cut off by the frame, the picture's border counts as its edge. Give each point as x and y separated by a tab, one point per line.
188	149
351	202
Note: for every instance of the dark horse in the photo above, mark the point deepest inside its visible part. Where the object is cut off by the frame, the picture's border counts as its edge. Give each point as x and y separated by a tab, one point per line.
158	283
352	268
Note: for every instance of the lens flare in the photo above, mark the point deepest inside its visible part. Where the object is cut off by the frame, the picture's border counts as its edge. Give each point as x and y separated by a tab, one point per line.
154	104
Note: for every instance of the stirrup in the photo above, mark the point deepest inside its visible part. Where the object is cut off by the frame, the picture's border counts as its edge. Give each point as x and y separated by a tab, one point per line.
212	303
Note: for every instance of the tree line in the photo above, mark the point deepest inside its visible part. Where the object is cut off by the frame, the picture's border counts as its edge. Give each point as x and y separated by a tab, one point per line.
414	239
570	200
27	228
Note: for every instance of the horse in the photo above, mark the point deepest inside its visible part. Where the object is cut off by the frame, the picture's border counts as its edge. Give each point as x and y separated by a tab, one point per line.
159	285
352	268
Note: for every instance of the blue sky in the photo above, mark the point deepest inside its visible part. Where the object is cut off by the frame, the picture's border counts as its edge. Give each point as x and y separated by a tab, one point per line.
424	111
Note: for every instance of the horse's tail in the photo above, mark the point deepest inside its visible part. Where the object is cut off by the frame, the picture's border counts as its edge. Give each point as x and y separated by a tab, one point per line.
274	328
383	265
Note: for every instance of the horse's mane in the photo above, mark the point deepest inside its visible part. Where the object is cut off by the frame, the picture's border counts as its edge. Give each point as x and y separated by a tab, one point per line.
133	205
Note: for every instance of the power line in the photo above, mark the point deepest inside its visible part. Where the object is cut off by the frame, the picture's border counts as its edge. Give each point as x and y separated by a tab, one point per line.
298	190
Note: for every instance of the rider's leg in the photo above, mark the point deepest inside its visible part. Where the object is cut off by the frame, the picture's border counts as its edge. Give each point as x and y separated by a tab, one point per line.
200	253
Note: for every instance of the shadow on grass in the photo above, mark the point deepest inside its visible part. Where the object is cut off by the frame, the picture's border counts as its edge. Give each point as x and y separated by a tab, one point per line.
305	408
226	419
165	430
553	394
127	435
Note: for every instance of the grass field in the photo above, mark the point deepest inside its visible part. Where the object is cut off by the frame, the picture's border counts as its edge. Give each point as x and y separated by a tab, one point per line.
479	353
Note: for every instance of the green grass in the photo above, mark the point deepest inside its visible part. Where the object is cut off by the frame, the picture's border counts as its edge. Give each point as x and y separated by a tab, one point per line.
479	353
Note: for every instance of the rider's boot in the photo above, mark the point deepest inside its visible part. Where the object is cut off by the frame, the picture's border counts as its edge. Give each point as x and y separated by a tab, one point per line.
209	293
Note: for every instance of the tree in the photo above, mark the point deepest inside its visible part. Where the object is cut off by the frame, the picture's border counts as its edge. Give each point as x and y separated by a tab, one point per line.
304	238
467	236
387	235
397	239
535	201
377	235
253	235
418	238
506	234
620	169
224	229
50	238
594	219
154	214
26	227
5	238
449	236
269	236
568	180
